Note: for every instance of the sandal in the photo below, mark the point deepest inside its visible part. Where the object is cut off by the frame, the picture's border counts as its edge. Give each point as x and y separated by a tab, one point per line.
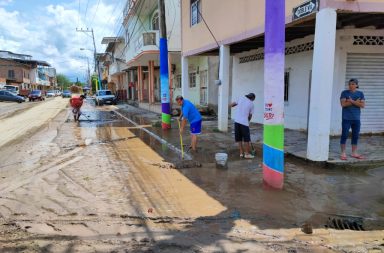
343	157
358	156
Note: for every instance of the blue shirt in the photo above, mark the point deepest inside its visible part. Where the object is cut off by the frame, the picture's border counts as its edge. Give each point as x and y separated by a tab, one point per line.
352	112
190	112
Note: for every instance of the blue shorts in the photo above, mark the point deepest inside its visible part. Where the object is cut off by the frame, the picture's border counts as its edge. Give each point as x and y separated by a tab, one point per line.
196	127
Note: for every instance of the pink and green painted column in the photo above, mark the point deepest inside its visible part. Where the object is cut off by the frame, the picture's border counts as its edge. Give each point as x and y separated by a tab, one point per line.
274	50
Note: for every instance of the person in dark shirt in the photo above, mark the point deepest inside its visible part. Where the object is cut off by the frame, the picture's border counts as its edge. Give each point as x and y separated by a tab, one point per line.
351	101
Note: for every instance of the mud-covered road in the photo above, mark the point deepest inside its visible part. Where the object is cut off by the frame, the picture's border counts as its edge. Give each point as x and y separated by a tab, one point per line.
97	186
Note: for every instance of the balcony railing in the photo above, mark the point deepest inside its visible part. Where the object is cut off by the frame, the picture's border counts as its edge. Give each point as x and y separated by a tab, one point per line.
147	39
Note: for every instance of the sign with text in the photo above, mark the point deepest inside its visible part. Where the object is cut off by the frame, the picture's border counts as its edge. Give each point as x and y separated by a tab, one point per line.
305	9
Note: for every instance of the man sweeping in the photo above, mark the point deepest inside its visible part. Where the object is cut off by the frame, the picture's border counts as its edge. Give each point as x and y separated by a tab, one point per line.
76	103
189	112
243	116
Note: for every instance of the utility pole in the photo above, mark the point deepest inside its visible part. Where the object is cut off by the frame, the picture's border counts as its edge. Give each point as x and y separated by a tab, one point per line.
88	75
94	54
164	75
274	50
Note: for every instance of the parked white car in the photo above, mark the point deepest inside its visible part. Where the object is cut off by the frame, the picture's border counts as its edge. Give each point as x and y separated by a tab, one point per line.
105	97
50	93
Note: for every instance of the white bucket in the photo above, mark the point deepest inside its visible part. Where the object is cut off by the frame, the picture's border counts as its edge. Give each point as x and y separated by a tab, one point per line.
221	160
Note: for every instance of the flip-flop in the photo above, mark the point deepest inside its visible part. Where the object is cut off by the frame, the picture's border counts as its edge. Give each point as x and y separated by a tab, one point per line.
343	157
358	156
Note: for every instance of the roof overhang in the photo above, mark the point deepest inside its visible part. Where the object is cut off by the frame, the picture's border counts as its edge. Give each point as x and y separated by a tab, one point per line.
111	42
306	26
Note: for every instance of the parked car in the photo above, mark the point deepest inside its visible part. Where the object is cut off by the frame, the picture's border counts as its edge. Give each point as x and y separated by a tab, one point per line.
51	93
9	96
36	95
105	97
58	92
66	94
12	88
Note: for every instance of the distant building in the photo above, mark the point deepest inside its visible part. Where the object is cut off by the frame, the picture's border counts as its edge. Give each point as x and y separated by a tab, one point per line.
22	70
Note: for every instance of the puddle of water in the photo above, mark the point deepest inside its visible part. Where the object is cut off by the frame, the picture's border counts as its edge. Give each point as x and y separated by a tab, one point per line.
310	194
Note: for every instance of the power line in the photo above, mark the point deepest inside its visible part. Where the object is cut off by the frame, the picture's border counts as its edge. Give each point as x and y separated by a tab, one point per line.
114	9
94	14
133	30
78	20
217	43
85	13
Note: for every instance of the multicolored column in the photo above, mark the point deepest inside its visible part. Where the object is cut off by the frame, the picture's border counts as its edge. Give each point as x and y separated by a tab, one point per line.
274	49
164	82
164	76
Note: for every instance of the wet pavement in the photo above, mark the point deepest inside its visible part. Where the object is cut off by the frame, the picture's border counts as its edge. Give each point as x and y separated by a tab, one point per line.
311	193
107	184
370	146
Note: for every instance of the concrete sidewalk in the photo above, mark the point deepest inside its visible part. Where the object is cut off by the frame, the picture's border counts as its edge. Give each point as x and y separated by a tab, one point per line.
370	146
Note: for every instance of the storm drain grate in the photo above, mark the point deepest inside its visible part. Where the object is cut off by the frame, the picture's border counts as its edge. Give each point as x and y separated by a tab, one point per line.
345	222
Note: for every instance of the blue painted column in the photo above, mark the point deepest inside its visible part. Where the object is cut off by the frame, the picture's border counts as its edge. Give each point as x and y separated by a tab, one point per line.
273	136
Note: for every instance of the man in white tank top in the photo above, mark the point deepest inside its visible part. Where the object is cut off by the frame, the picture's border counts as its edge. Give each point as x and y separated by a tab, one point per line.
243	115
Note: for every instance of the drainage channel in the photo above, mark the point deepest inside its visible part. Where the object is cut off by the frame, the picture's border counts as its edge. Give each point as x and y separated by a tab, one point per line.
345	222
156	137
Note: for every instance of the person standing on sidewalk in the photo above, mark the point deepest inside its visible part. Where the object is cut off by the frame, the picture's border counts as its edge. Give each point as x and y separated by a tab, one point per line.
189	112
351	101
243	115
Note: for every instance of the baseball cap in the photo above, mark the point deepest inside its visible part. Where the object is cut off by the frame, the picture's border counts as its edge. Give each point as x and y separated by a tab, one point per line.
251	95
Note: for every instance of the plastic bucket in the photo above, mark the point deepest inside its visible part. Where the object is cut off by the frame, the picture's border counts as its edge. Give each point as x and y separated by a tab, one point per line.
221	160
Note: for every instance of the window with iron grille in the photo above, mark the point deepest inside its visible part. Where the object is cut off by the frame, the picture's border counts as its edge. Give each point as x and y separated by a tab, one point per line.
286	86
178	81
11	74
195	12
155	21
149	39
192	80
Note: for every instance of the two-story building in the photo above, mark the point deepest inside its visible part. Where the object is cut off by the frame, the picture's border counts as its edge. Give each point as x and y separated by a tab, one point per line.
13	69
141	50
327	43
23	71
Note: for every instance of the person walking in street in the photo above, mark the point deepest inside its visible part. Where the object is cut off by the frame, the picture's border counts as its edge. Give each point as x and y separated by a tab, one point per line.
351	100
243	116
189	112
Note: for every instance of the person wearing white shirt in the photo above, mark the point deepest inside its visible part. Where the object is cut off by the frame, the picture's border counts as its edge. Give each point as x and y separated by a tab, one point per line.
243	115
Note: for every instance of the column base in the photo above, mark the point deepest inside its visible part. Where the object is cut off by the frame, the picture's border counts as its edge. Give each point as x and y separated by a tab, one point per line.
272	177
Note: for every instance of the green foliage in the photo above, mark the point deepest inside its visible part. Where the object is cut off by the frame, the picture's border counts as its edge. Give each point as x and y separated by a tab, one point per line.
63	81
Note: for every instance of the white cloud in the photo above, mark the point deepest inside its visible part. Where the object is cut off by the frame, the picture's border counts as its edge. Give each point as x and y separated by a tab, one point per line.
52	36
5	2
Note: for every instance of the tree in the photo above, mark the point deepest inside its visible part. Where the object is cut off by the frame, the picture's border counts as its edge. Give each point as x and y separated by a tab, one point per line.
63	81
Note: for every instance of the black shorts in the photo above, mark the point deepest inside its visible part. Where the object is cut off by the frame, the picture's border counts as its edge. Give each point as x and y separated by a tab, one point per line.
242	133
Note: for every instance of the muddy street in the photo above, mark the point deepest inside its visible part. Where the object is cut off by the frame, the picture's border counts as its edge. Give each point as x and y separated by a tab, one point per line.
105	185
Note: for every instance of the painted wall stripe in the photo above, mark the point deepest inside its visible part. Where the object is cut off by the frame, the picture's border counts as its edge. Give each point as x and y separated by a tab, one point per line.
274	136
272	177
273	158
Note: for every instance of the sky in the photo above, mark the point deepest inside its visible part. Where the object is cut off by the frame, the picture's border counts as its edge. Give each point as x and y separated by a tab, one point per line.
46	30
